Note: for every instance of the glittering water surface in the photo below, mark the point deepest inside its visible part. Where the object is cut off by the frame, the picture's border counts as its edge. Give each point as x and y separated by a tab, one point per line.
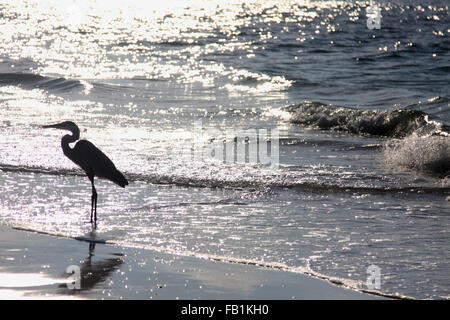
167	89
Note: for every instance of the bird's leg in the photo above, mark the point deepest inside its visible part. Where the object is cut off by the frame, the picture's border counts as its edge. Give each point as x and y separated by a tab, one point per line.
93	202
95	206
92	206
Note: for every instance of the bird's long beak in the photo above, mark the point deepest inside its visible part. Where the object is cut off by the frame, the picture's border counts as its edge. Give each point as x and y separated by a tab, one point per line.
55	126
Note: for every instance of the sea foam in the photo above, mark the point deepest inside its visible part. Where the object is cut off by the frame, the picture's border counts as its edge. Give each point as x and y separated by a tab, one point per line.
422	154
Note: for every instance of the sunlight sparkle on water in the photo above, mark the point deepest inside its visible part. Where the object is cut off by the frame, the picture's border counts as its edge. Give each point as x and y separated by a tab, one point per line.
114	39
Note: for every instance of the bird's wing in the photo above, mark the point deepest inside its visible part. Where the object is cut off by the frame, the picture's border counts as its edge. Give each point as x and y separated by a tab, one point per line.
95	163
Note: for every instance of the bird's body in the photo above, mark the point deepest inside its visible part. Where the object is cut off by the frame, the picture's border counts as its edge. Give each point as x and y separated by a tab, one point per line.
95	163
89	158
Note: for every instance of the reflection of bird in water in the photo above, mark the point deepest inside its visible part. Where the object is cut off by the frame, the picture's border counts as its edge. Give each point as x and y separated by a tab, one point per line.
93	161
94	272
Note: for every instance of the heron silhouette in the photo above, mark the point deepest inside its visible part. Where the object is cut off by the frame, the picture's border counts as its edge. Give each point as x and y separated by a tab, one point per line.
93	161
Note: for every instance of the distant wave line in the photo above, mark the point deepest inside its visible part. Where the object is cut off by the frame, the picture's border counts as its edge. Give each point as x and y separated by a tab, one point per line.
31	80
247	185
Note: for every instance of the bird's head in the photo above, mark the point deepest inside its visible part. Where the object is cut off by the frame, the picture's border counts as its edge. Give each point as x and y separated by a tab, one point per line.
66	125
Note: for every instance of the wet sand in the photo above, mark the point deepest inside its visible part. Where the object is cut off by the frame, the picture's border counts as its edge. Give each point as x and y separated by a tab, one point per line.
34	266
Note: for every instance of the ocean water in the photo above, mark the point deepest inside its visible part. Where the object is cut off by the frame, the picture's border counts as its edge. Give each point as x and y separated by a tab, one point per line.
307	135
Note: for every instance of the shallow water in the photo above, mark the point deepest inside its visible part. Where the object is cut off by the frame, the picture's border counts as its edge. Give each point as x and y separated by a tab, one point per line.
182	96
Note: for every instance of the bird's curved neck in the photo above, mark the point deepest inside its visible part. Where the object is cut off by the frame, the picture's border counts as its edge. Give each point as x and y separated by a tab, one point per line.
69	139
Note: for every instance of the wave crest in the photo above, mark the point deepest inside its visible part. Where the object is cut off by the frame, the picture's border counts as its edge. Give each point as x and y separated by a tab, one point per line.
257	181
31	80
396	123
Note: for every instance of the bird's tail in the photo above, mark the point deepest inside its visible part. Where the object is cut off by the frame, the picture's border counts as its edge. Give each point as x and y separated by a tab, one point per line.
120	179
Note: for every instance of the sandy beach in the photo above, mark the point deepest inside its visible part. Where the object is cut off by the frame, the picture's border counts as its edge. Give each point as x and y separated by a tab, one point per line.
34	266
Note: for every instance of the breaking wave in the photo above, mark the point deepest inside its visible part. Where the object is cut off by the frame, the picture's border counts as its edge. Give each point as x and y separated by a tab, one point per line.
416	143
396	124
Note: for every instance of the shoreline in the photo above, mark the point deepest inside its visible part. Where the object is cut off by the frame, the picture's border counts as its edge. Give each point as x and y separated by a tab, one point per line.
35	265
